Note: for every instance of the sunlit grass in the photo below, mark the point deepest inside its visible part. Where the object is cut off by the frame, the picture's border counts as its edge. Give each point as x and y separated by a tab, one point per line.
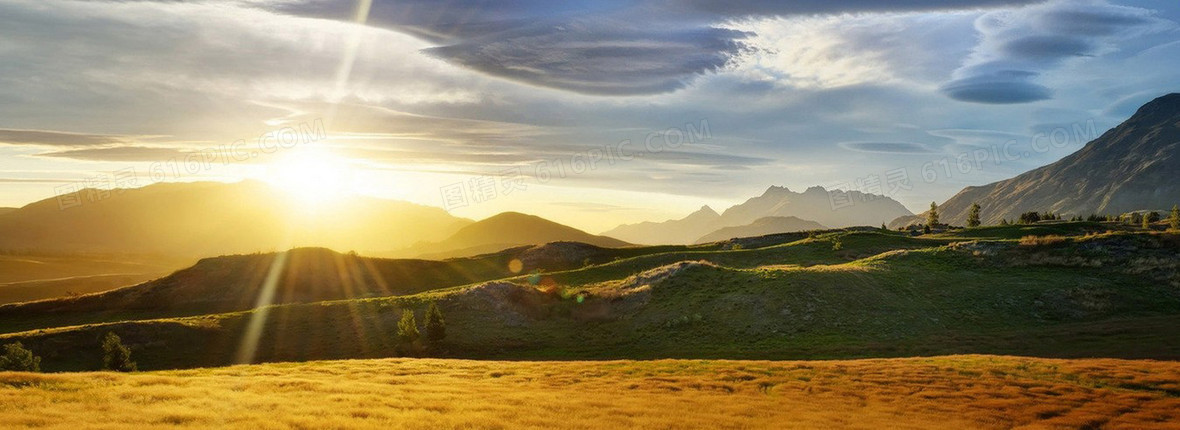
940	392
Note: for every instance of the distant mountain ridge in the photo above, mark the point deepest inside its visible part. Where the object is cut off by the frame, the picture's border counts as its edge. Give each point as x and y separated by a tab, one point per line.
677	231
201	219
761	227
815	204
503	231
1130	167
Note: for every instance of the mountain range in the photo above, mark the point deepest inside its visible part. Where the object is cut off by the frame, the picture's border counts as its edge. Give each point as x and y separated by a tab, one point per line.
815	207
204	219
211	218
1130	167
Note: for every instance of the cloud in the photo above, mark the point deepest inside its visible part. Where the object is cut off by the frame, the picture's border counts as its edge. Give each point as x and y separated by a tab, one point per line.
606	47
889	147
120	153
1018	46
11	136
36	181
686	158
592	58
976	137
733	8
1047	46
841	50
998	87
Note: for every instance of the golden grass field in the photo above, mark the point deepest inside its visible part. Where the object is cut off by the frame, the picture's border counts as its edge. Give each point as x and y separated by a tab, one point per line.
941	392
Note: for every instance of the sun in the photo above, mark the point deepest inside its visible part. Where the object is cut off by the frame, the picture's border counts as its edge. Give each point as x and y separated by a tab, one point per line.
311	177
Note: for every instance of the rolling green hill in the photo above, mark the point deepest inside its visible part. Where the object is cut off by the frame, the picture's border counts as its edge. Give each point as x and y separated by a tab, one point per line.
840	294
303	275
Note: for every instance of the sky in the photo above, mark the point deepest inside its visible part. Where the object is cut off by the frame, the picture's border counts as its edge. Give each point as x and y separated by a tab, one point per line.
590	113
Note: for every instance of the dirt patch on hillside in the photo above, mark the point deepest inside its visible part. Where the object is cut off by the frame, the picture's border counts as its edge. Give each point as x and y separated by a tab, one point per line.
512	304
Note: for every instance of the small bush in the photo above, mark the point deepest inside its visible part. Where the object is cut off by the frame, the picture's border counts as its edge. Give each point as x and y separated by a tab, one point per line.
18	359
115	355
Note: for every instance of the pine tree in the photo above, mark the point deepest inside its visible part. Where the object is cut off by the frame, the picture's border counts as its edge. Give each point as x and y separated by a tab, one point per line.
932	216
1174	218
18	359
436	325
407	328
115	355
973	216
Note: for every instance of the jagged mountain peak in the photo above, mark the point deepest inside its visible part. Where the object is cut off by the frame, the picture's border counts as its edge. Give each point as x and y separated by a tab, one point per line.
776	190
705	211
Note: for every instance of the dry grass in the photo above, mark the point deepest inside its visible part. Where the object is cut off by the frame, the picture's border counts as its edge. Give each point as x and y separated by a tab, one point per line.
1041	240
942	392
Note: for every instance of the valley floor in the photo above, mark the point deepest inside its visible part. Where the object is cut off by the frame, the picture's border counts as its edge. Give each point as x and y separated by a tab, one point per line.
968	391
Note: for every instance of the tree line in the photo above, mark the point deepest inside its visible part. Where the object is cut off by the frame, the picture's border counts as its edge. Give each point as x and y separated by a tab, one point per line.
1144	220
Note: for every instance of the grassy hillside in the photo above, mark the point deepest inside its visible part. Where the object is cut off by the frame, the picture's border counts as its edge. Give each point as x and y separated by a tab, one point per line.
234	283
1110	295
979	392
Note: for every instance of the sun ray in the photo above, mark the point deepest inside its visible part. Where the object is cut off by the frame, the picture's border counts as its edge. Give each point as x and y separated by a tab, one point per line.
249	347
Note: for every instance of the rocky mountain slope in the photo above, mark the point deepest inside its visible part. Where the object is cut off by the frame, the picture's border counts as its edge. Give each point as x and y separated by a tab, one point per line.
1130	167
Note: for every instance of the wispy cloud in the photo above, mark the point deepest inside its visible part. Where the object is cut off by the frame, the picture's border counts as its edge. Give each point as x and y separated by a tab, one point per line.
10	136
1018	46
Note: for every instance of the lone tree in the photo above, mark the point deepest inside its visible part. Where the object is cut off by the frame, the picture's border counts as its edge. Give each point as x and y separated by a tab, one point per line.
1146	222
973	216
18	359
436	325
115	355
932	216
1174	218
407	328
